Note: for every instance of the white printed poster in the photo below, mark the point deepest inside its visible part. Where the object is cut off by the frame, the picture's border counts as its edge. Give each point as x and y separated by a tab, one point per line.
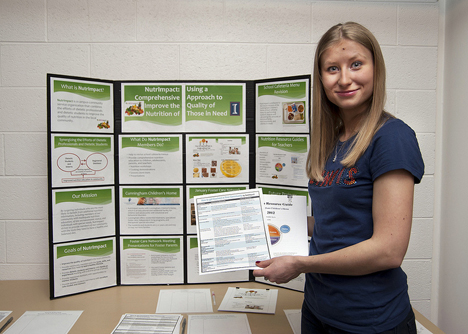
217	159
155	260
83	213
87	106
84	266
281	159
151	210
82	160
282	106
150	159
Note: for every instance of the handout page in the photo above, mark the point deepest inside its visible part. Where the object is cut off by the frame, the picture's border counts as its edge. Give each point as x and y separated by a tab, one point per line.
184	301
286	217
294	318
148	323
218	324
232	234
249	300
44	322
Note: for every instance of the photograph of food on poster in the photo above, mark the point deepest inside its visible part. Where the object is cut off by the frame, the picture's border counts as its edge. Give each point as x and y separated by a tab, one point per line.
215	107
193	191
157	260
150	159
79	104
193	275
281	159
84	266
83	213
293	191
217	159
152	107
82	160
151	210
282	106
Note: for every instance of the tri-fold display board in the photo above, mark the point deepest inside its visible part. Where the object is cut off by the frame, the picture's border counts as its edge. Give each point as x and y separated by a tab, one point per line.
127	158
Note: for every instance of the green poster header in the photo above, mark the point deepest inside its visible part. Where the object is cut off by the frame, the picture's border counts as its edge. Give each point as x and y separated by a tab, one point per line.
193	242
216	139
93	144
151	192
161	144
278	191
92	249
289	90
290	144
217	104
159	245
205	191
85	89
158	104
90	197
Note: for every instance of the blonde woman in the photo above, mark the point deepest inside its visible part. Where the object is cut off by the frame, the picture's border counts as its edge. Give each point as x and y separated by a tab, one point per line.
363	164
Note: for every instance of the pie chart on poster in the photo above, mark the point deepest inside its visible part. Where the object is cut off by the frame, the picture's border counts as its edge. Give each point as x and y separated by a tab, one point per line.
275	234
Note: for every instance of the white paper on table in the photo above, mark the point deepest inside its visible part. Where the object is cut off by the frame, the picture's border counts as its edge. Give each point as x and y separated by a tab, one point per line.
232	233
249	300
4	314
218	324
144	323
294	319
44	322
184	301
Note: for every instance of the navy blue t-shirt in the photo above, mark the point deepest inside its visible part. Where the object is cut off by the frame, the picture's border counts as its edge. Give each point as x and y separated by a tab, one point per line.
342	206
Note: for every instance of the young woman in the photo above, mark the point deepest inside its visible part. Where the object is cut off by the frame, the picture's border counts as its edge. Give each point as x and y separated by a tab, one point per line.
363	164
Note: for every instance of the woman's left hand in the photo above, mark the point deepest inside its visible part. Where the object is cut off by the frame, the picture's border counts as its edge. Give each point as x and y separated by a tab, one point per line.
279	269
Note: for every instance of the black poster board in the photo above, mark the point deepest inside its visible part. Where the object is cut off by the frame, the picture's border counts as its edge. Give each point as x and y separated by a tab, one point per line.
126	158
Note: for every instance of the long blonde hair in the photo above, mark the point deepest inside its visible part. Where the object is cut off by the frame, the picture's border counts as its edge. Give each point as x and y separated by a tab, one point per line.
326	120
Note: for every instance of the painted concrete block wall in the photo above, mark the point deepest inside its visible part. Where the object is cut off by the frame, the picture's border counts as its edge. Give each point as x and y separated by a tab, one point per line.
192	40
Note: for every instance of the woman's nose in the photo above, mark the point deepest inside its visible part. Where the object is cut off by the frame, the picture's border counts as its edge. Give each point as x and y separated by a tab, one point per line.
345	78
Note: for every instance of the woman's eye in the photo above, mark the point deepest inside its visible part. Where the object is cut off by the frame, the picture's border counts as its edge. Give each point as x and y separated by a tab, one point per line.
332	69
356	64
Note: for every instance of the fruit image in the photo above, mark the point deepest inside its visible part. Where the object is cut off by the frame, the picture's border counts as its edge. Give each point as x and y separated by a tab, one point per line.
230	168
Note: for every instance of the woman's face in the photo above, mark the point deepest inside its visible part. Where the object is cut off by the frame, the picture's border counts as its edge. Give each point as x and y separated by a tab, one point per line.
347	70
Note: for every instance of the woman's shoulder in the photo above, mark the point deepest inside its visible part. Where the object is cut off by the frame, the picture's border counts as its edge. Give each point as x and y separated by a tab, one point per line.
395	126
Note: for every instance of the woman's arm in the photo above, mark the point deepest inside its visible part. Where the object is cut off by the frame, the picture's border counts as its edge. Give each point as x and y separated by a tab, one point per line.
392	211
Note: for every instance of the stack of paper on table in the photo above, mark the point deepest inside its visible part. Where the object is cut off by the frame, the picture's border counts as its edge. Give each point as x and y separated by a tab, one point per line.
148	323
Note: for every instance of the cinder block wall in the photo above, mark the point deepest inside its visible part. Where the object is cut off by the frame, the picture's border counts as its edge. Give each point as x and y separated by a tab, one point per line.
193	40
